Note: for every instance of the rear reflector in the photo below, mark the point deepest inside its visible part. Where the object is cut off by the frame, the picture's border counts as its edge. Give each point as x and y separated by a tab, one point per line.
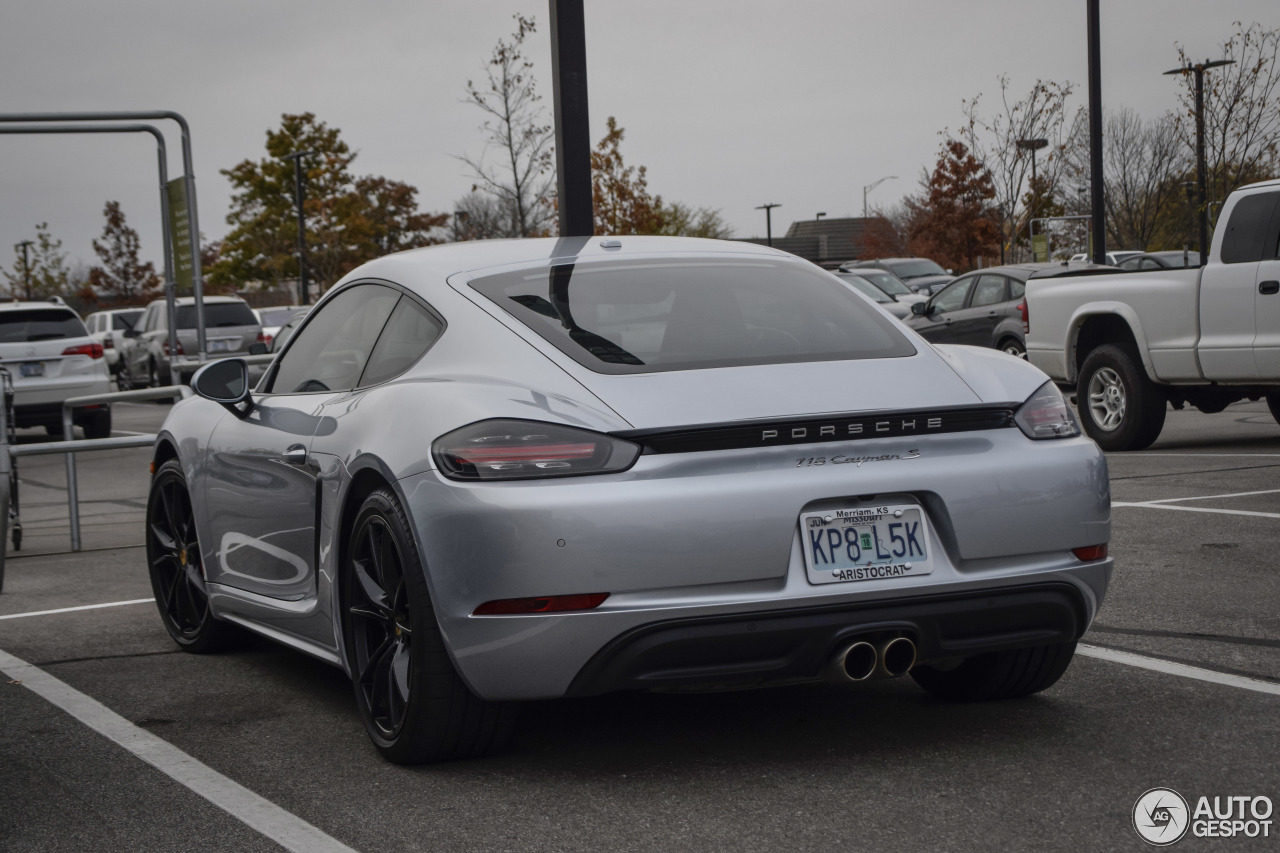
1090	553
550	604
93	350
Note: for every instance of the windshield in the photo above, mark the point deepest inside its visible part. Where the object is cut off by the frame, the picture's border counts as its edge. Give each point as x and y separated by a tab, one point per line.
122	321
916	268
40	324
865	287
886	281
650	316
217	314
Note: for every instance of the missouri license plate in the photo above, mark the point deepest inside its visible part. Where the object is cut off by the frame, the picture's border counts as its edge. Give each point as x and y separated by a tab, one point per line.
31	368
865	543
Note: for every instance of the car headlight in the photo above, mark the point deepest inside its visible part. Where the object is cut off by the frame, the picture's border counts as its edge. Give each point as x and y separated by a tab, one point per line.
509	449
1046	414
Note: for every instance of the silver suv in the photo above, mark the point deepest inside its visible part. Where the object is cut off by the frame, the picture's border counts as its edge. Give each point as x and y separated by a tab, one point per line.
51	356
230	325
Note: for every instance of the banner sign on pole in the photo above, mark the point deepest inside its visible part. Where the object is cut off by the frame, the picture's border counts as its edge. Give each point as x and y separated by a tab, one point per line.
1040	246
180	230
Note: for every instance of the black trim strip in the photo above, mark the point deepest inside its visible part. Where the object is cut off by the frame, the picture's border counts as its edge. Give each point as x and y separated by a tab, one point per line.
774	432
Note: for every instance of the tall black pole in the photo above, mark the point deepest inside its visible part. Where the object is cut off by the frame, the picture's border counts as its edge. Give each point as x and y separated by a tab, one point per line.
573	134
768	220
1201	205
300	195
1098	210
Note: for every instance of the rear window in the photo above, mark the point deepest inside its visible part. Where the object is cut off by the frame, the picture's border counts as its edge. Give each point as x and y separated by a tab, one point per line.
916	269
691	314
40	324
217	314
276	316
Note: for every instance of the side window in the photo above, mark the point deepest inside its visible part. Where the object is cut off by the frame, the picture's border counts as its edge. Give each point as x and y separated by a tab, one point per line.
1017	288
952	296
330	352
409	333
1246	236
988	291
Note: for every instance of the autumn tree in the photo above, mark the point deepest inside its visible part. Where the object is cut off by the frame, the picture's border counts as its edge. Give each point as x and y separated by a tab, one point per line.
886	234
348	220
515	168
620	193
44	271
954	220
120	276
993	139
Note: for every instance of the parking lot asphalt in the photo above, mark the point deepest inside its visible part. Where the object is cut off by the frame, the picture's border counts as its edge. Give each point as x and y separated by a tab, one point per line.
878	767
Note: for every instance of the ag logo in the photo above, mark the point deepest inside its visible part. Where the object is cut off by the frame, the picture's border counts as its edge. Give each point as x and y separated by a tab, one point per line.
1161	816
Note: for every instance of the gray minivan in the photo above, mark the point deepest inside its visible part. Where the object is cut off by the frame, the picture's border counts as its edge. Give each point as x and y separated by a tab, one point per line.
231	328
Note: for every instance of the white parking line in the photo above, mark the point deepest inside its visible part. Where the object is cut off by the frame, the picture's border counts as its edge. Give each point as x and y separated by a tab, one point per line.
1180	669
81	607
286	829
1215	455
1214	497
1154	505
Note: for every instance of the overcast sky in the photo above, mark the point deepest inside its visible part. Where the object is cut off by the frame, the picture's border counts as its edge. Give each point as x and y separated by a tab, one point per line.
729	103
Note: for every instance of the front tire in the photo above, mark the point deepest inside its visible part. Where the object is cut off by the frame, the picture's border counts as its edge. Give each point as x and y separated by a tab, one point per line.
174	561
414	705
1120	408
998	675
1273	403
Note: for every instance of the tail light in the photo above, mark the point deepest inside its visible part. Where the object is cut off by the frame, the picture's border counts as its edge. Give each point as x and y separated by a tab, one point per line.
93	350
1026	318
550	604
166	348
1091	552
263	338
107	343
1047	415
520	450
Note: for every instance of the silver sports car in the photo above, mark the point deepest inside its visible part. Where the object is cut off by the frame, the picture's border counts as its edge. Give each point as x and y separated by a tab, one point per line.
499	471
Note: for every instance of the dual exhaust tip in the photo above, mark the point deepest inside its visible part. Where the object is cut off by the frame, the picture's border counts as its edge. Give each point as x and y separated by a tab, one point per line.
861	659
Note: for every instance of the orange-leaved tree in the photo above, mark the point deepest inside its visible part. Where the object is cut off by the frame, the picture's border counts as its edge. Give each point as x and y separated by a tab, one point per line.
954	221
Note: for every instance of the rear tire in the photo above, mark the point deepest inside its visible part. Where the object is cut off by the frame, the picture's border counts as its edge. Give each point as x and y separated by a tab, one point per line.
998	675
414	705
1273	403
1013	347
1120	407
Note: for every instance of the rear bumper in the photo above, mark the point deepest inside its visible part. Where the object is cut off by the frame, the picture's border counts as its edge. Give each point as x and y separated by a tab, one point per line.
742	651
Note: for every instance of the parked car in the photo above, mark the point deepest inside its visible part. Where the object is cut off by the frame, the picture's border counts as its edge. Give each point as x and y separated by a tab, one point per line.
286	330
51	357
231	328
475	475
1132	344
107	328
901	310
1160	261
920	274
891	284
272	318
1113	258
982	308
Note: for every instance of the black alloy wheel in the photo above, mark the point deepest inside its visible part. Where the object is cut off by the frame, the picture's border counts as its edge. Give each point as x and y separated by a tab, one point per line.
414	706
173	558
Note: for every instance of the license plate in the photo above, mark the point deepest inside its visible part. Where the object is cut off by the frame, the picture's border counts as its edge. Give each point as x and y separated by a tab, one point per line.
865	543
31	368
219	346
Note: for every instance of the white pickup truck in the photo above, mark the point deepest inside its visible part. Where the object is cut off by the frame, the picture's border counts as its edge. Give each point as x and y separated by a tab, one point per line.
1132	343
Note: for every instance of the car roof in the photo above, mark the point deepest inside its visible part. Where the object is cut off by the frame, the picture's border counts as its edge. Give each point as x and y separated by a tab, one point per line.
191	300
34	305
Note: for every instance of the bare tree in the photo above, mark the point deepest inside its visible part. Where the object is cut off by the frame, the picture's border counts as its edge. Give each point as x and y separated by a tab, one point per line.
479	216
1241	112
993	140
521	175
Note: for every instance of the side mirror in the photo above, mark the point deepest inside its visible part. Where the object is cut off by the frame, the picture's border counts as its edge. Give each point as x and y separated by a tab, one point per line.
225	381
919	308
257	349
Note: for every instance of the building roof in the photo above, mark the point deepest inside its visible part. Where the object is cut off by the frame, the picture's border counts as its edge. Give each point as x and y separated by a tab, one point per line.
826	242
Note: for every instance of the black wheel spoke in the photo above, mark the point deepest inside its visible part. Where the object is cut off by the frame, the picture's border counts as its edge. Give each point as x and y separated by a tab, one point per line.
373	593
166	540
400	673
369	674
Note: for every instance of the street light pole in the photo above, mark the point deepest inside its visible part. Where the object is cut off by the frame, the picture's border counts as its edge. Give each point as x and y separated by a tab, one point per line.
869	187
1198	70
768	220
1032	145
299	193
26	267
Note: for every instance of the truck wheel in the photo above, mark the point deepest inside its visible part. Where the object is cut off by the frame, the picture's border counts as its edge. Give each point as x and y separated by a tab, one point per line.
1120	407
1273	403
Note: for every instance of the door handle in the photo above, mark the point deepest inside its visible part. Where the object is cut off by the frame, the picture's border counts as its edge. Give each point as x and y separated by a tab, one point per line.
946	322
993	313
1269	287
295	454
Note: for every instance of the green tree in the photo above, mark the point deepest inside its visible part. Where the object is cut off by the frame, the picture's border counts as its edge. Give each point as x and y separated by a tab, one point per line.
348	220
954	221
520	176
121	278
44	272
